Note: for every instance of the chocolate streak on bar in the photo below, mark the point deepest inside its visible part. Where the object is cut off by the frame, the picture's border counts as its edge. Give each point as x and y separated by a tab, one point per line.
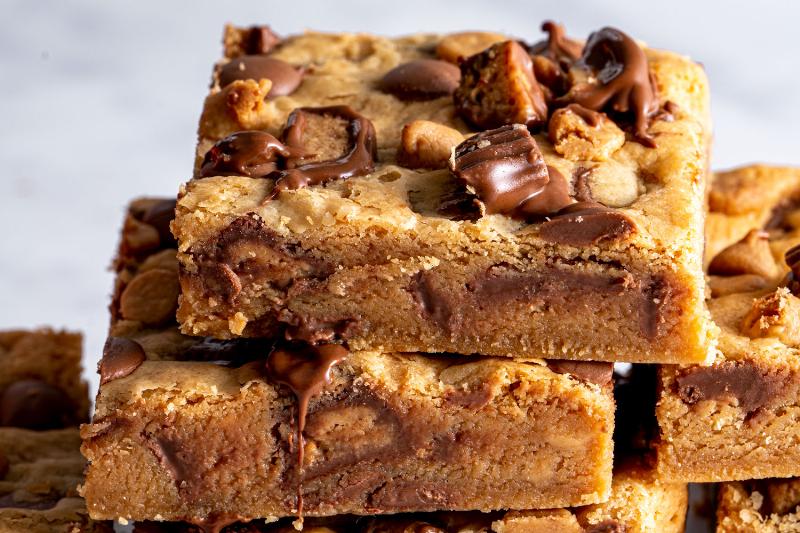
358	161
625	83
305	369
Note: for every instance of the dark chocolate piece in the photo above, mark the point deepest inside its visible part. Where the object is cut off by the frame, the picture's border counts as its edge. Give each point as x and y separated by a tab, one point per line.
159	215
599	373
246	153
421	79
498	87
34	404
503	167
623	80
586	223
358	161
120	358
284	77
260	40
754	387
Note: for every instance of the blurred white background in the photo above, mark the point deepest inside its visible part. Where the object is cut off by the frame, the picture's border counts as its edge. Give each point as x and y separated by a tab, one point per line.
99	102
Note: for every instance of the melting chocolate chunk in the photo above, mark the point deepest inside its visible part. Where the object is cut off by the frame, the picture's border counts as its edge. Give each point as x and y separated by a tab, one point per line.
753	386
159	215
594	372
421	79
554	197
498	87
358	161
120	358
284	77
34	404
557	46
586	223
621	79
260	40
246	153
503	167
4	466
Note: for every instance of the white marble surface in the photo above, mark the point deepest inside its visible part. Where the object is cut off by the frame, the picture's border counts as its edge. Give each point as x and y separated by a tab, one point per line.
99	102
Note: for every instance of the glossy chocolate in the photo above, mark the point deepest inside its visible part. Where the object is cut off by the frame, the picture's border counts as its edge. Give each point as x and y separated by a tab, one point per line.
284	77
255	154
121	357
421	79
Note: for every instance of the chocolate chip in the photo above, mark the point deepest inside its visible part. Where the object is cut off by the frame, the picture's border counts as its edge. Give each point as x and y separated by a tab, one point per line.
5	466
159	215
586	223
598	373
34	404
753	386
120	358
151	297
284	77
504	168
422	79
245	153
621	79
498	87
358	161
260	40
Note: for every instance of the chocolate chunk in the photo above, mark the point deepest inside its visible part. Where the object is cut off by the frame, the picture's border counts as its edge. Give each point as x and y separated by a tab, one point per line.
260	40
159	215
503	167
587	223
358	161
750	255
554	197
598	373
498	87
754	387
421	79
621	80
34	404
120	358
5	466
792	258
245	153
151	297
284	77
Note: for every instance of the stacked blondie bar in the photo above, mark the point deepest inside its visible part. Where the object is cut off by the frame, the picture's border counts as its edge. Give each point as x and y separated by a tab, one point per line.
391	296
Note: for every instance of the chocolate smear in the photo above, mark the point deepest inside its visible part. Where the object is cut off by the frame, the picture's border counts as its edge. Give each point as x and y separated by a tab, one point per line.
358	161
34	404
503	167
246	153
554	197
754	387
599	373
284	77
421	79
623	80
305	369
586	223
120	358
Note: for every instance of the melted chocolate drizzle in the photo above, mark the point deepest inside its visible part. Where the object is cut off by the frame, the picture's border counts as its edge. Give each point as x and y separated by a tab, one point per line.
558	45
246	153
624	80
305	369
358	161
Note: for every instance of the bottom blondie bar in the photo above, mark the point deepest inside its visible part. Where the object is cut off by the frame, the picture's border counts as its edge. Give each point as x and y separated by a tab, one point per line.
767	506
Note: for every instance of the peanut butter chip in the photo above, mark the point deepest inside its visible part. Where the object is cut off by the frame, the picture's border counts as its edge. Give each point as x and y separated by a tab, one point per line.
751	255
151	297
774	315
426	144
459	45
580	134
120	358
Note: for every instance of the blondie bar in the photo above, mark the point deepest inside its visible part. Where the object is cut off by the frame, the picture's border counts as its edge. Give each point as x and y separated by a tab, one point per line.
766	506
539	201
42	399
189	428
737	419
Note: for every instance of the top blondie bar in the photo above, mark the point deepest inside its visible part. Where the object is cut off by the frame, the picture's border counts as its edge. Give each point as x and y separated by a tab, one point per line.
464	193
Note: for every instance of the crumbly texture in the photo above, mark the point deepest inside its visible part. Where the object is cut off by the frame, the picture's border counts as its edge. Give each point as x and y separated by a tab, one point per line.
737	419
39	493
53	357
373	252
198	430
769	506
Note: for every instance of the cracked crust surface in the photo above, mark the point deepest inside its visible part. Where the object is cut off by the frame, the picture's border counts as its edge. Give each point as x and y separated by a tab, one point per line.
370	236
748	430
